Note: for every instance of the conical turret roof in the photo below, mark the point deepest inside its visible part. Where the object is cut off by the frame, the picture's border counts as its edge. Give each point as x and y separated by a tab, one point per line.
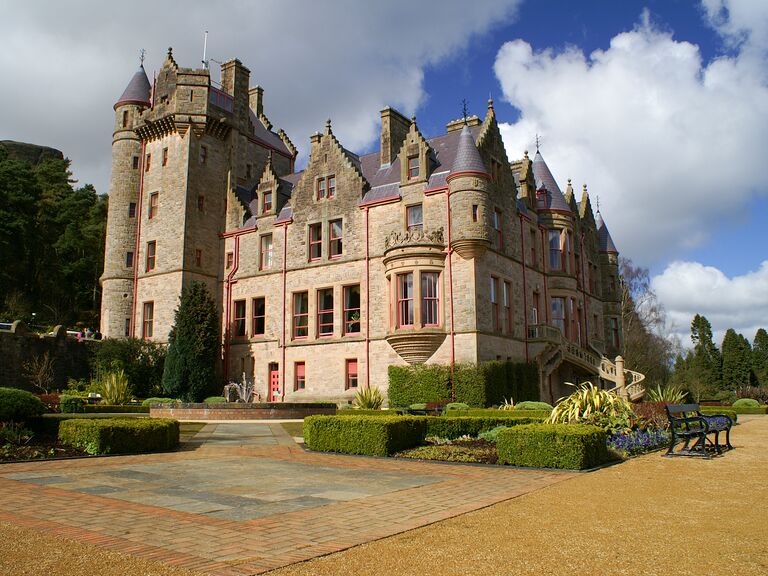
603	236
545	180
138	90
467	157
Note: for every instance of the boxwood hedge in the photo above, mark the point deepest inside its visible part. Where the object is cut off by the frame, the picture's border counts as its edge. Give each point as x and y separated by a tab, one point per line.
369	435
707	410
495	413
120	435
115	409
572	446
19	405
455	426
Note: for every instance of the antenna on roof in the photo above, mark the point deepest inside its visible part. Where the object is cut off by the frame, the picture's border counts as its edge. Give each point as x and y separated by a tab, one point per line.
205	49
464	109
142	53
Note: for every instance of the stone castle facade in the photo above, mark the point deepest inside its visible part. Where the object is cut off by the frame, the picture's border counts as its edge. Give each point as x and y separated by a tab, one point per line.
431	250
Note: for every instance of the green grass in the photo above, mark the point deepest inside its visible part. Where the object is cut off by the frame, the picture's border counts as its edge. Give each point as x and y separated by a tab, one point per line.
294	428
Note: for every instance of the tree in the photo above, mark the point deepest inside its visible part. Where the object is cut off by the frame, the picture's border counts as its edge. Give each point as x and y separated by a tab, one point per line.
737	361
193	350
706	357
646	348
760	357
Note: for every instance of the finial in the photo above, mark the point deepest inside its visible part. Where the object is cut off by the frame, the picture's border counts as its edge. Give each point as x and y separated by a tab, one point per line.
413	119
538	141
328	126
598	203
525	154
142	53
170	52
490	102
584	187
464	109
569	181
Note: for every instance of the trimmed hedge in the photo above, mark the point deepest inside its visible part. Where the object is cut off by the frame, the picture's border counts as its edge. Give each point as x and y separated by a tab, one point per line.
149	401
361	412
115	409
571	446
48	424
745	403
71	404
532	405
476	385
368	435
719	410
456	426
120	435
19	405
494	413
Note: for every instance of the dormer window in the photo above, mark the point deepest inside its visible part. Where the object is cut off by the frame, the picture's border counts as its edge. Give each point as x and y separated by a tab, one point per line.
413	167
267	201
326	187
541	199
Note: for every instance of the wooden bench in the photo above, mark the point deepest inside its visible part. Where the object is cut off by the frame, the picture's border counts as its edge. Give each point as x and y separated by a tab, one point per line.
687	424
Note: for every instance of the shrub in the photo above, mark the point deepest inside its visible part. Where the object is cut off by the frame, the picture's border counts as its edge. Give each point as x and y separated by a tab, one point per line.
457	426
48	424
459	406
115	409
119	435
710	410
142	361
572	446
418	384
591	405
18	405
418	406
362	412
669	394
71	404
215	400
745	403
501	413
492	435
369	435
368	399
530	405
725	397
51	401
114	388
759	393
653	413
149	401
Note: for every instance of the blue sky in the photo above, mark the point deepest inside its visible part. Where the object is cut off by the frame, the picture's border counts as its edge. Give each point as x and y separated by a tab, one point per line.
660	107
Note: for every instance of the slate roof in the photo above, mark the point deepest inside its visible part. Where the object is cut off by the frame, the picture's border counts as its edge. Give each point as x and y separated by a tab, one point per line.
138	90
545	180
260	131
467	157
604	237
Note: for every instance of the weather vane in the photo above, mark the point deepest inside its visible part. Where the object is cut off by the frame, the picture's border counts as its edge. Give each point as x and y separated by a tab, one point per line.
464	109
537	142
142	52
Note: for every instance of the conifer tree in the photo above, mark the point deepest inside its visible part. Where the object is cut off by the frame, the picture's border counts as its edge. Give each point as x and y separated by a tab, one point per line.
760	357
737	360
707	359
193	350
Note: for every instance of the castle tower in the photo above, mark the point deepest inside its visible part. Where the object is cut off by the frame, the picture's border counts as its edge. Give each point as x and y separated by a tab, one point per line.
468	184
125	180
609	273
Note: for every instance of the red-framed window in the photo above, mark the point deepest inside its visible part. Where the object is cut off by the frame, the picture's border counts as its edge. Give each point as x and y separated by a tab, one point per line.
495	303
335	238
555	250
154	199
541	199
265	254
238	324
198	257
151	254
147	162
405	311
200	203
507	300
315	241
325	312
413	167
165	156
352	317
259	321
148	320
300	315
350	370
497	219
132	210
414	217
129	259
558	314
230	260
430	299
331	186
299	376
266	201
326	187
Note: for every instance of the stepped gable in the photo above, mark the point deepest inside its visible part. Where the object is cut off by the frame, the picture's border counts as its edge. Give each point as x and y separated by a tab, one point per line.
604	237
545	181
585	208
266	135
138	90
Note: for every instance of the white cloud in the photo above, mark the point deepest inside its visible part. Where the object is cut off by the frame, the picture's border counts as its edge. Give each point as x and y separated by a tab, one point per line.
689	288
65	64
670	144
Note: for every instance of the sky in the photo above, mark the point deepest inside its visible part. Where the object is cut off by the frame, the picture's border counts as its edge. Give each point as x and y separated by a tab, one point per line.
660	107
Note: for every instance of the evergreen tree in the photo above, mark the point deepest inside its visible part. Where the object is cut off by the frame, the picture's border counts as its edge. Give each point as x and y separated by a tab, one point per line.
760	357
706	356
737	361
193	350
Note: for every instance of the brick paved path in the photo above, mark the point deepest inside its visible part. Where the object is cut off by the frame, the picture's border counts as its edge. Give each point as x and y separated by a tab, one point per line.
244	498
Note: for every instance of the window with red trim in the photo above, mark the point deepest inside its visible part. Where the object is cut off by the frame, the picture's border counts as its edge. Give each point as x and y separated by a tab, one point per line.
335	240
267	201
331	186
558	314
495	303
414	217
321	189
151	253
555	250
265	261
238	324
148	319
153	204
300	315
430	299
350	381
507	298
325	312
499	232
259	323
315	241
230	260
299	376
326	187
352	309
405	300
413	167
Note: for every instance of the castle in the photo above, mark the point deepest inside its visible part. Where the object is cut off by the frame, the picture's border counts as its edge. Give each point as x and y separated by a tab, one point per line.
435	250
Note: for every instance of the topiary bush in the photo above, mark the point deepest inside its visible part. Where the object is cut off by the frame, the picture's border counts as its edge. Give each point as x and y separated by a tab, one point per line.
571	446
120	435
368	435
19	405
531	405
71	404
471	426
149	401
745	403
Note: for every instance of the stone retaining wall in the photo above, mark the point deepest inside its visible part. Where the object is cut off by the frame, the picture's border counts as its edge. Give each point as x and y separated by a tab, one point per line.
237	411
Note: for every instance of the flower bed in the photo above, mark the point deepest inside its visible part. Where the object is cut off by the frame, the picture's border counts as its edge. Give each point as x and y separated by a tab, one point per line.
638	441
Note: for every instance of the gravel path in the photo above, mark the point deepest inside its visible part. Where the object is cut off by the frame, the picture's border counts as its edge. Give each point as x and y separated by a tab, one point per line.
641	517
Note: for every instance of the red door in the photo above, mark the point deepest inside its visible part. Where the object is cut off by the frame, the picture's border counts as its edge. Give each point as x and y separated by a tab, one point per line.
274	384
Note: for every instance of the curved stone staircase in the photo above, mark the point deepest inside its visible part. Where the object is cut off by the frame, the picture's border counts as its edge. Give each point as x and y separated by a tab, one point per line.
629	386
